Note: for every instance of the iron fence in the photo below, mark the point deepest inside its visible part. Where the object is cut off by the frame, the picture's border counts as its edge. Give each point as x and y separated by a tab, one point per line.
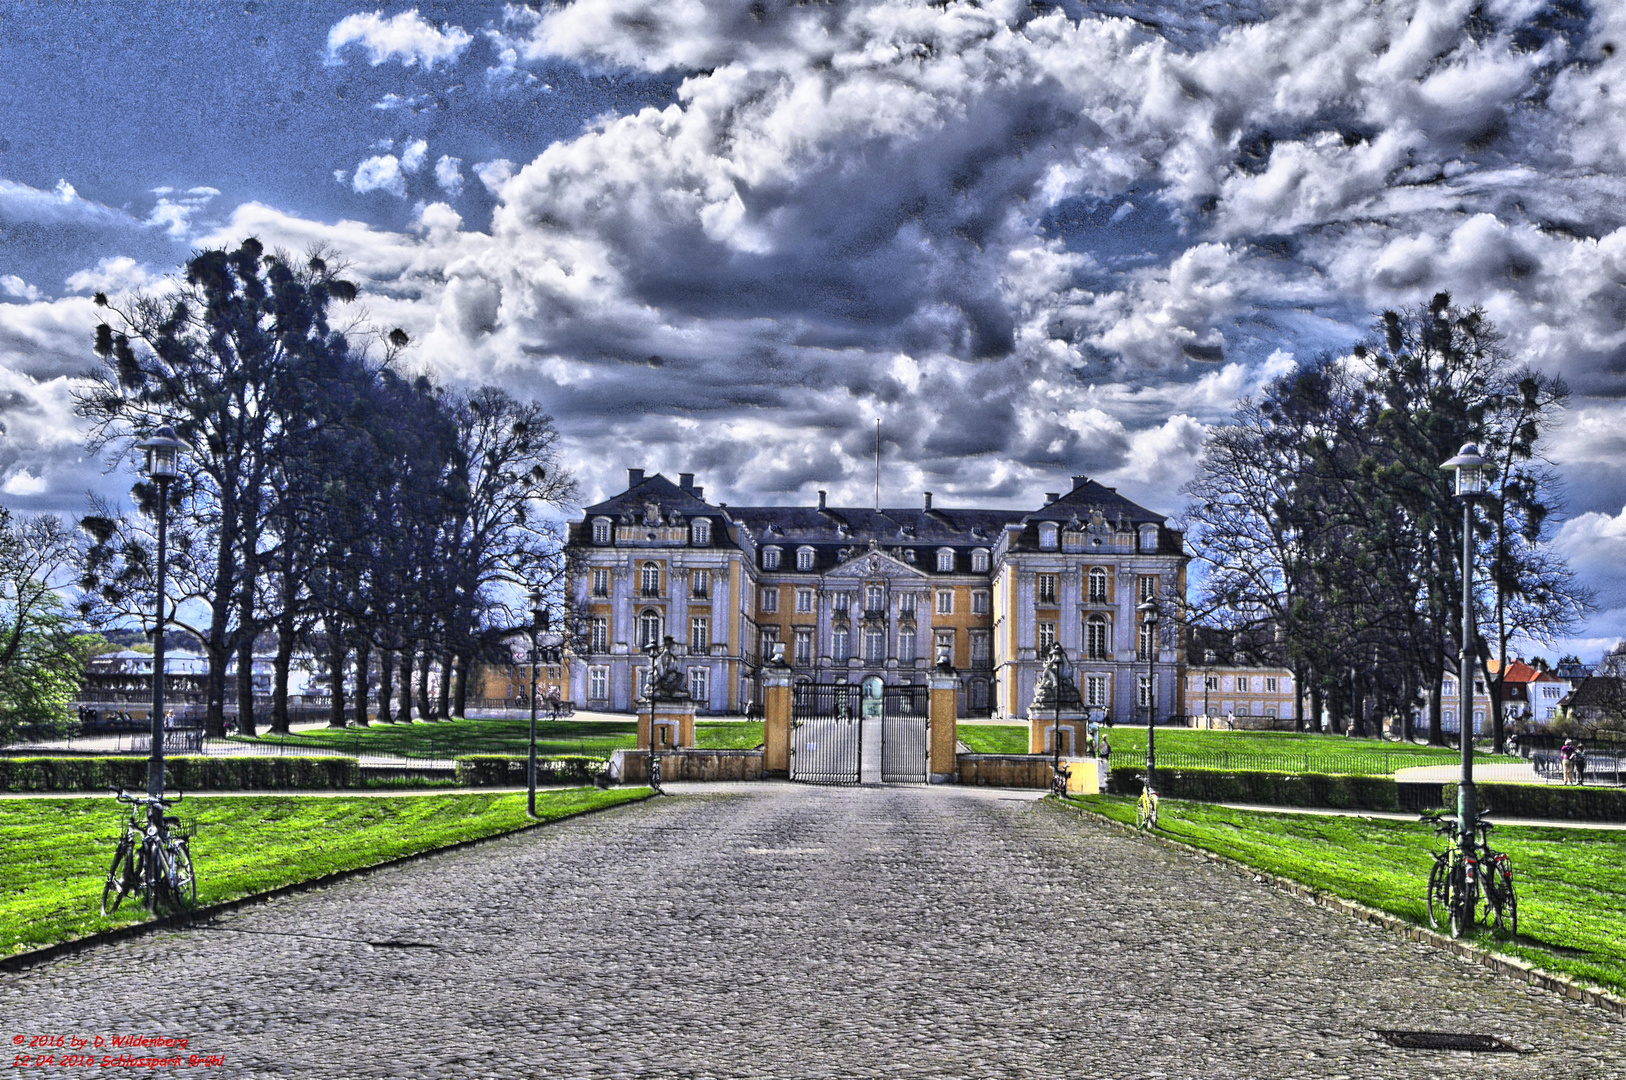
1334	762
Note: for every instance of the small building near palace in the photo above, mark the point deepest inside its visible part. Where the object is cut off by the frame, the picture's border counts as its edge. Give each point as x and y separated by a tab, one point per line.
852	592
1237	679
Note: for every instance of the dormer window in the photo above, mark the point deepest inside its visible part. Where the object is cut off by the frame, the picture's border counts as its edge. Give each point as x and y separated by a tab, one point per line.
700	532
1047	536
770	558
601	530
979	561
945	560
1148	537
804	558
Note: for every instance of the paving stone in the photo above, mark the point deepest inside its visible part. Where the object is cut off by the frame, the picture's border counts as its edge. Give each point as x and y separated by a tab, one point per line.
780	931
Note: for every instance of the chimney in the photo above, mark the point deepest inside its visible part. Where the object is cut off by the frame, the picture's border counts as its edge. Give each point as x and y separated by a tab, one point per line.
1078	482
928	500
1051	496
699	493
686	481
634	477
821	499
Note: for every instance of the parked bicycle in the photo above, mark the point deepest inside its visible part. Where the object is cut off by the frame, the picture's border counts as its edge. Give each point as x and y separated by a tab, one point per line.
1146	807
1457	881
154	857
1058	782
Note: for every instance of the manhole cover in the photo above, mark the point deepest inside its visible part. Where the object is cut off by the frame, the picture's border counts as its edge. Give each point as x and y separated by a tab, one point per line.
1448	1040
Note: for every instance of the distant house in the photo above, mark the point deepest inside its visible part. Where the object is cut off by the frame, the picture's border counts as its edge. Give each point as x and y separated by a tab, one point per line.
1599	699
124	678
1238	679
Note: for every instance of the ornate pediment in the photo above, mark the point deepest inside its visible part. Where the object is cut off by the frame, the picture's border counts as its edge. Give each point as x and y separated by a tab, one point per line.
872	564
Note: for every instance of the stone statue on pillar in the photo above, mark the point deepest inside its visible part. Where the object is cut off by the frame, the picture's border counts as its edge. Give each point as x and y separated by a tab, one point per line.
1055	687
666	681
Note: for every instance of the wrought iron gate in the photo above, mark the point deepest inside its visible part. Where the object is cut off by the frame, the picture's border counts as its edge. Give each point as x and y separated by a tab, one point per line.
903	735
826	744
826	736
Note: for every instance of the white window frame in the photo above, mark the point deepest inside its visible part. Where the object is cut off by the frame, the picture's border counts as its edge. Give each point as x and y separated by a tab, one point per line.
804	601
1148	537
1048	531
770	558
700	532
649	579
979	602
1146	641
770	598
647	618
700	684
907	605
1046	589
1146	588
1244	685
1211	682
1272	685
700	584
908	650
1044	635
1145	691
945	602
601	530
1097	637
1098	576
841	645
979	561
871	636
598	684
804	558
601	581
699	633
874	598
598	634
802	644
945	560
841	602
1095	691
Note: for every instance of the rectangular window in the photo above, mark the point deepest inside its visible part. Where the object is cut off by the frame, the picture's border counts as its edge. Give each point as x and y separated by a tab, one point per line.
906	646
640	682
804	646
804	601
700	584
945	603
770	558
1211	682
1095	691
840	644
1143	691
1098	585
699	633
598	683
700	684
906	605
979	646
1046	636
979	562
601	583
874	646
841	602
874	599
1272	685
770	599
1045	588
979	603
601	530
1146	587
769	636
1448	688
599	635
1242	684
804	558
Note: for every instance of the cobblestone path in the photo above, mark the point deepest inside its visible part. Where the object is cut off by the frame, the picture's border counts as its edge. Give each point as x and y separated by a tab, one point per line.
804	932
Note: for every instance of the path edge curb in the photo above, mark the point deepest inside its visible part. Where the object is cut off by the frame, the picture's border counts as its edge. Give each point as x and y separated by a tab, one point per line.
1502	965
35	957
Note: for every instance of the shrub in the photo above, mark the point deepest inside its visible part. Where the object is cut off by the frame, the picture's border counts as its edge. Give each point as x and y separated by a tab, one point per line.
1547	801
508	770
180	773
1264	788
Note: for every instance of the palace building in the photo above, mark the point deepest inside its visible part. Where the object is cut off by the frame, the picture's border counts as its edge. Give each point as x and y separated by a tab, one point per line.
850	592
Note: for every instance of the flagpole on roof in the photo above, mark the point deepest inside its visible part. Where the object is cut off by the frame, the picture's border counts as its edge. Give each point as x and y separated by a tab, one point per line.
877	463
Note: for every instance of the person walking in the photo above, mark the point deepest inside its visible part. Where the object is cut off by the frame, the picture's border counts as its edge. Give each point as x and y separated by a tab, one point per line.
1566	758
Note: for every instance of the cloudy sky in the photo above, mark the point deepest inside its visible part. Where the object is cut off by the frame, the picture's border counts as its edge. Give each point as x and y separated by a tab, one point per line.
723	238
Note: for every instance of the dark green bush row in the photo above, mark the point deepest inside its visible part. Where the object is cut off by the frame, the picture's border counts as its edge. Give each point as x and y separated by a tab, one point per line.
508	770
1264	788
1547	801
180	773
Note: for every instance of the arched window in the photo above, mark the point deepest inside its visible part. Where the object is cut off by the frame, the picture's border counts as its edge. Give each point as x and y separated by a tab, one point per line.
700	532
770	558
601	530
649	581
1098	585
649	628
1095	637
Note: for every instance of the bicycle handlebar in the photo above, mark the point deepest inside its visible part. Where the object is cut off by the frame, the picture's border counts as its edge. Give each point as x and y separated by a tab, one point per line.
145	800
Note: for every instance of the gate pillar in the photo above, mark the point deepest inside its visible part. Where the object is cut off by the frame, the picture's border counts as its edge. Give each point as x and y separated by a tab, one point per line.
943	708
776	706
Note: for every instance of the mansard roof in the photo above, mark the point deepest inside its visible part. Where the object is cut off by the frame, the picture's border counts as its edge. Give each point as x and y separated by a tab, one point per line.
1089	497
847	525
655	489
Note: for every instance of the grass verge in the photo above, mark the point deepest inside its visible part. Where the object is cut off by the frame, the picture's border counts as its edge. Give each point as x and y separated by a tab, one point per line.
995	738
1571	883
58	850
507	735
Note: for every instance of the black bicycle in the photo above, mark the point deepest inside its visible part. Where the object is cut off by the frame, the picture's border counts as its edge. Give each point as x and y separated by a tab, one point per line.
154	857
1458	879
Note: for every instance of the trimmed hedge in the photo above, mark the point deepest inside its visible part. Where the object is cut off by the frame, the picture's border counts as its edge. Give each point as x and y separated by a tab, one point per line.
180	773
1264	788
1547	801
508	770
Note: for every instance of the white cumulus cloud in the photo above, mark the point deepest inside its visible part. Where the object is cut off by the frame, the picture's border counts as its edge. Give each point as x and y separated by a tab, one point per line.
407	37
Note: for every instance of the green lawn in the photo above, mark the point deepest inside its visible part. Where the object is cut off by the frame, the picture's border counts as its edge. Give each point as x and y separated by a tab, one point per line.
58	850
1571	882
1269	751
454	738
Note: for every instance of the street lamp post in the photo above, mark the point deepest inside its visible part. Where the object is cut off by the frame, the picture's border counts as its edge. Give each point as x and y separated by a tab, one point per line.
1470	471
1055	731
1148	616
539	621
162	465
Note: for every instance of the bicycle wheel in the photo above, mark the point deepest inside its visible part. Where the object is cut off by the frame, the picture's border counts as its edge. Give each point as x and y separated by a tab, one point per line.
1152	817
1507	910
149	871
120	876
1439	892
1464	902
183	884
1142	812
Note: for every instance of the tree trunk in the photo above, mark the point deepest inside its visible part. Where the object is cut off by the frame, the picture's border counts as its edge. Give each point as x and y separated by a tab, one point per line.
279	680
1315	707
386	685
363	664
460	688
443	693
1436	718
335	665
245	683
426	660
403	714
